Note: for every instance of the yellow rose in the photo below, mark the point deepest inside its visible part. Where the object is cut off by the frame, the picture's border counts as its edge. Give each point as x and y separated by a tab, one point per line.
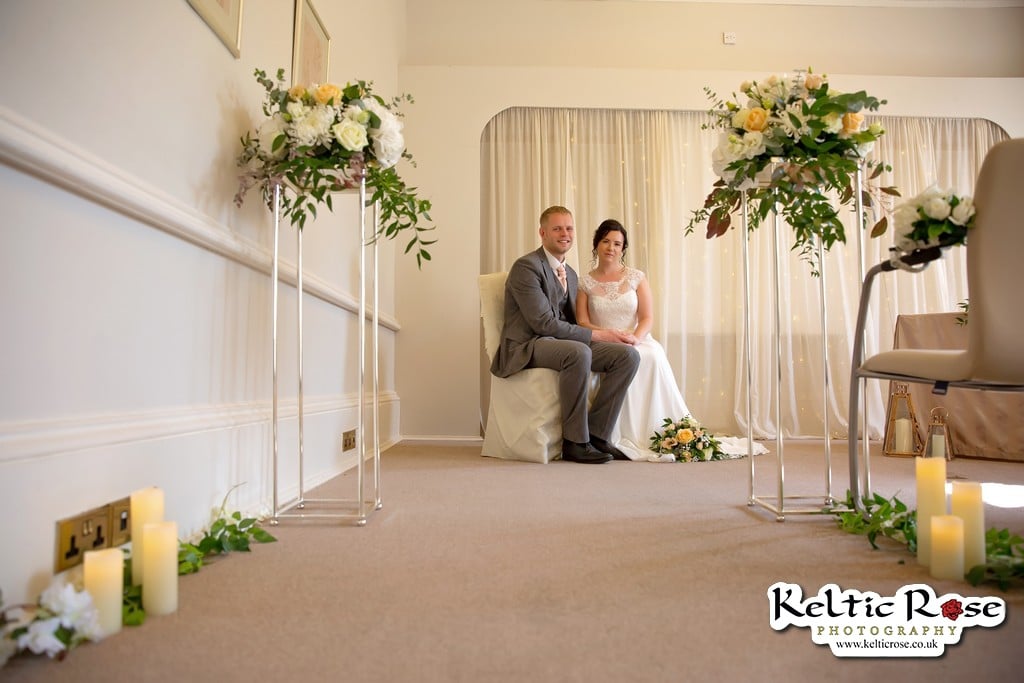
852	122
684	436
297	92
327	92
757	120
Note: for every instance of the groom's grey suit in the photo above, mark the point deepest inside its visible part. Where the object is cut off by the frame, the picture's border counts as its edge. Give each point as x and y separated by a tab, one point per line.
540	331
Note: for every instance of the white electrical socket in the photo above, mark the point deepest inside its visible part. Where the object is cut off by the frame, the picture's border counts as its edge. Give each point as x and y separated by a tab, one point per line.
728	38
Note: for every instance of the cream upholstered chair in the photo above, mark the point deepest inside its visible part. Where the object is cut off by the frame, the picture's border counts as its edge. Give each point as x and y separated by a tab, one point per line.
524	415
994	358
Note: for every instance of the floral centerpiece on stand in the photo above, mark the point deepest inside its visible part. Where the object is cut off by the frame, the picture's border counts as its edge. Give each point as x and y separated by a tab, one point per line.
789	147
687	440
321	138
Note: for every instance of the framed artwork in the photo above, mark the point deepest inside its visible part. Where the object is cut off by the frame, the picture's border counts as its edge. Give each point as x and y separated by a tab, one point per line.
224	17
311	47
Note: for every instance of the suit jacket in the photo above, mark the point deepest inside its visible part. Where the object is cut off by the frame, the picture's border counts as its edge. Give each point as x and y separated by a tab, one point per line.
533	297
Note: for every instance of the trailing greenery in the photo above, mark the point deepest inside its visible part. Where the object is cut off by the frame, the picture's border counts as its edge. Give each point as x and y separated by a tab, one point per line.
891	518
1004	560
229	532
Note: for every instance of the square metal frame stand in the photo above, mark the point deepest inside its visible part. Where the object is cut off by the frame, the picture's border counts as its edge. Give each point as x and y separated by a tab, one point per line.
782	503
358	508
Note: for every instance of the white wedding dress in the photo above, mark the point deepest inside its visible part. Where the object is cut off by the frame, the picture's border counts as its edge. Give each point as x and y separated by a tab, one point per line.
653	395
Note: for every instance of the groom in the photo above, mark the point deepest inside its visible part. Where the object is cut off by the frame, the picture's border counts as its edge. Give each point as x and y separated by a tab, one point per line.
541	332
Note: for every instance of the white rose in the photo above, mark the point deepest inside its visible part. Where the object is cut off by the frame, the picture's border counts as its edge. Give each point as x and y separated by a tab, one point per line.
963	211
937	208
753	144
740	117
833	122
388	142
350	135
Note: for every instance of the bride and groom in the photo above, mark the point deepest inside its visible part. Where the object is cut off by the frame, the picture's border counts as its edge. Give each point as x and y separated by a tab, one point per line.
600	323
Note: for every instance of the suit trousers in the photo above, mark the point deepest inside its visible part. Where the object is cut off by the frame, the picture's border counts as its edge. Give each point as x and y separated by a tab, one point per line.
574	361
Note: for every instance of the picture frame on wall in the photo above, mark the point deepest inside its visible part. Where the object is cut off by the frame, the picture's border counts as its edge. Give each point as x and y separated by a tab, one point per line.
224	17
311	47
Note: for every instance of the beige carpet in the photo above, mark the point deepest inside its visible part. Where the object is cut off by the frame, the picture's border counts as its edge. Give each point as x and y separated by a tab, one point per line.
484	570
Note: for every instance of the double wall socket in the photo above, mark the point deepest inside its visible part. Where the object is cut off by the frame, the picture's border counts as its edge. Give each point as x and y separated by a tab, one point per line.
107	526
348	440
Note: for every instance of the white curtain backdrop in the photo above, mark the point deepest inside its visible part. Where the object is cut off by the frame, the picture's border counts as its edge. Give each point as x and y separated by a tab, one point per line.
650	170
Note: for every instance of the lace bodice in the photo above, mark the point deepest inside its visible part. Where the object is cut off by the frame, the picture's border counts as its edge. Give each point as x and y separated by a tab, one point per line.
613	305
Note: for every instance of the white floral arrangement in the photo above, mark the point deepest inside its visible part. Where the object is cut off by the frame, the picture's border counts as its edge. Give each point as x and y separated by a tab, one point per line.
321	138
64	617
934	218
687	441
786	145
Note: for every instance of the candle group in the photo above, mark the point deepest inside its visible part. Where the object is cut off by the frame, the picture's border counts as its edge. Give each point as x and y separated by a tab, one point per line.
154	552
103	577
147	506
950	541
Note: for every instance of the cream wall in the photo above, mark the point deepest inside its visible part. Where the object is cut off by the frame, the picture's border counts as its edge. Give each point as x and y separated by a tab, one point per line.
469	60
135	304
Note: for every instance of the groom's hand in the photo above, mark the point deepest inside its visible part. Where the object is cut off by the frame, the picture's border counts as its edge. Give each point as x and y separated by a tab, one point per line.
613	336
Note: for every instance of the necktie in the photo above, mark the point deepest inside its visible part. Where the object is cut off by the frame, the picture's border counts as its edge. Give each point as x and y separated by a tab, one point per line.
561	277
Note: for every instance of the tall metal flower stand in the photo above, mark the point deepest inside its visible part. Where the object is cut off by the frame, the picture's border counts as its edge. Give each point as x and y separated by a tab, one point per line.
359	507
781	503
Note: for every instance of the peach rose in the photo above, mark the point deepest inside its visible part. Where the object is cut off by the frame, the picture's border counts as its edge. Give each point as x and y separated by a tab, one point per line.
853	121
813	81
757	120
297	92
327	92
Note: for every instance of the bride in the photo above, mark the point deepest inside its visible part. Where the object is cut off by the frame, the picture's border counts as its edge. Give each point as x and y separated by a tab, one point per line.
616	296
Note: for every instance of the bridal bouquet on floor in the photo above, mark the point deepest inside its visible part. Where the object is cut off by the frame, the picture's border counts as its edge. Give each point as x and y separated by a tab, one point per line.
321	138
687	441
791	144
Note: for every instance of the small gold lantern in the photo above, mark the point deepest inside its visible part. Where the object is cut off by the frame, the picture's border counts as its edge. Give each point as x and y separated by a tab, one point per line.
939	444
901	434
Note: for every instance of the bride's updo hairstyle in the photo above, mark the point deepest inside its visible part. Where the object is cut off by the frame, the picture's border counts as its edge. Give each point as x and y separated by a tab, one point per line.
607	226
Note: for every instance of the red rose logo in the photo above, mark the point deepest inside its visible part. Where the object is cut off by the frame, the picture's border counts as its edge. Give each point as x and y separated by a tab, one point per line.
951	609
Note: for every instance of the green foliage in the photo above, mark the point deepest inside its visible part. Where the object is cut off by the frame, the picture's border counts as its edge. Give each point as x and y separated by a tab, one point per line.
1004	560
228	533
887	517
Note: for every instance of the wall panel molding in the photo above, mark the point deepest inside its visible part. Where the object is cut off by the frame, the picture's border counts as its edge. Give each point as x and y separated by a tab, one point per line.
35	150
31	439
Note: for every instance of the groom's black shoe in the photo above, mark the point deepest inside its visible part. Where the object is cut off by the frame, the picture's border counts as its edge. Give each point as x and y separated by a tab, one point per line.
605	447
583	452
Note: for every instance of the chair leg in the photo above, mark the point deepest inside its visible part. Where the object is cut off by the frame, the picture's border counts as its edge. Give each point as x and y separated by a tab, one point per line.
852	431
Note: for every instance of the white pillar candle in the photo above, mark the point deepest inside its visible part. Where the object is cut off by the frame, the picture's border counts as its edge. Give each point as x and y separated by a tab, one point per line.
147	506
966	502
947	547
938	446
931	500
160	568
902	440
103	576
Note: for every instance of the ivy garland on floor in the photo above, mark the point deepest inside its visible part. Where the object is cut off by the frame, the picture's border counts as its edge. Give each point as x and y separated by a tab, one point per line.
891	518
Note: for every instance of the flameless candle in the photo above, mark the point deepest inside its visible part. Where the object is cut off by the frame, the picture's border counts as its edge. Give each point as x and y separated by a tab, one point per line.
147	507
938	446
966	503
931	500
160	567
947	547
103	576
902	440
